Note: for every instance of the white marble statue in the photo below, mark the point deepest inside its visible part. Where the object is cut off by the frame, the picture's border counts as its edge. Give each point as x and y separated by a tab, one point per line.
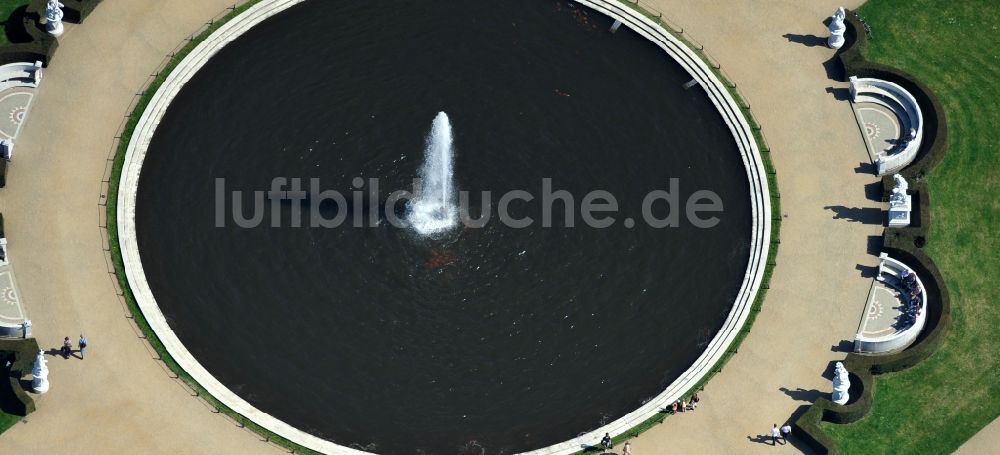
900	203
841	384
40	372
54	17
837	29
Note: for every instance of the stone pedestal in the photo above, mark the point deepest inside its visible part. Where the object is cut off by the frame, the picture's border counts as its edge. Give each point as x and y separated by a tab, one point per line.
837	29
900	216
54	28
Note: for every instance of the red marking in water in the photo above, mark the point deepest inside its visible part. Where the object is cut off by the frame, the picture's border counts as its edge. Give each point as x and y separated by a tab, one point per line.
439	259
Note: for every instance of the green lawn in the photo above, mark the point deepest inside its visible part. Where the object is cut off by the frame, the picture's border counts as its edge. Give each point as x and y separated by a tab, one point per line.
950	45
8	420
6	8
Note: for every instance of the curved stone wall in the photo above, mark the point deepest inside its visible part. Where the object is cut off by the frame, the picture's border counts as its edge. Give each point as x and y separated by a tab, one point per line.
717	92
900	339
896	99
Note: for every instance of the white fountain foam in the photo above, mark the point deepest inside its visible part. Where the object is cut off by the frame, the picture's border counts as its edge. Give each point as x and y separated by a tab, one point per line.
434	209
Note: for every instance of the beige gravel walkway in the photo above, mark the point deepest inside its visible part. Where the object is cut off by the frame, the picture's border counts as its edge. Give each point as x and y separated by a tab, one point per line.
984	442
120	401
817	294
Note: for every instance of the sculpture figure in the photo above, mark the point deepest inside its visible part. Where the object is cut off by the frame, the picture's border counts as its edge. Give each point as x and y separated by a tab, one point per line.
898	197
841	384
40	372
54	17
837	29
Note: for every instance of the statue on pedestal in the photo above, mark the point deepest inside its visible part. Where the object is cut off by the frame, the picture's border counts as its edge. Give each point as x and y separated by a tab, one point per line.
837	29
54	17
40	372
841	384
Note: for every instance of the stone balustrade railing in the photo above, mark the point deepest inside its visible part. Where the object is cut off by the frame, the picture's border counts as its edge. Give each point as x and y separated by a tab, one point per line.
889	267
904	105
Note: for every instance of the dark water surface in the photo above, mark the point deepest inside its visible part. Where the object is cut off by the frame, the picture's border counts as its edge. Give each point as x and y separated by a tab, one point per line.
506	339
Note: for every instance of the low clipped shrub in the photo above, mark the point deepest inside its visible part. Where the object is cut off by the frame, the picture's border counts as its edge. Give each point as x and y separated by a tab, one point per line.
78	10
21	353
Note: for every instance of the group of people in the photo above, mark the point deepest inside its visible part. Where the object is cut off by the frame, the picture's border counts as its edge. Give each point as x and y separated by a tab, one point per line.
607	445
783	433
912	294
682	405
67	347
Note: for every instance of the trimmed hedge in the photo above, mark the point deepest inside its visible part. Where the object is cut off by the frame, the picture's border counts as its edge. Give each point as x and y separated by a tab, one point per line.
32	42
903	244
76	11
21	353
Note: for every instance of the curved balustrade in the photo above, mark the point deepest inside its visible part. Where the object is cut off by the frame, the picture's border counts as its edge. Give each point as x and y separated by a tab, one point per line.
890	273
20	74
904	105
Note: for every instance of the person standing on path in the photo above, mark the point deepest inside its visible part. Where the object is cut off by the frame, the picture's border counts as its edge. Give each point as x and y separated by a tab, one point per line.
606	441
67	348
775	434
627	448
786	431
83	345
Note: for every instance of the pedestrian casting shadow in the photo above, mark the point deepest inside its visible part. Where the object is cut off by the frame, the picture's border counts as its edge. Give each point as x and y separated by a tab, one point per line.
864	215
762	439
805	40
843	346
800	394
839	94
57	352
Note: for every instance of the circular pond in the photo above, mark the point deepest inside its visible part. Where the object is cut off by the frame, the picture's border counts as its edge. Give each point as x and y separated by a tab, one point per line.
496	339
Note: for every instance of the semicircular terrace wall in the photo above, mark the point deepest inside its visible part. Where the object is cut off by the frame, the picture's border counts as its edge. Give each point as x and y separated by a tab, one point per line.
699	71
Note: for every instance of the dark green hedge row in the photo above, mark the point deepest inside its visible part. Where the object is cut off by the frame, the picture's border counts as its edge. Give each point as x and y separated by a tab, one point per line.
21	353
903	244
78	10
29	40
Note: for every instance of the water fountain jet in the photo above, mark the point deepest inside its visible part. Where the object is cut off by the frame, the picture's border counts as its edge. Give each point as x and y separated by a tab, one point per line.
434	210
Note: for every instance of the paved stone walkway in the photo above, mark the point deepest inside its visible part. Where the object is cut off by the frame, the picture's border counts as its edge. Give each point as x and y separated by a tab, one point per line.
14	104
118	400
